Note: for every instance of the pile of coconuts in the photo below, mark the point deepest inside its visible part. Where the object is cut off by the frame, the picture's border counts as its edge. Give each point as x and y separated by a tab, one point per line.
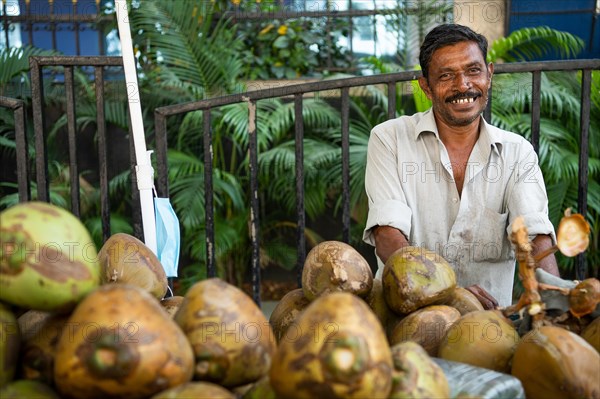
81	323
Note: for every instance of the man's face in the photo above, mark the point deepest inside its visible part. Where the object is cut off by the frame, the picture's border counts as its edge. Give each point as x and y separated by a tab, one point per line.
458	83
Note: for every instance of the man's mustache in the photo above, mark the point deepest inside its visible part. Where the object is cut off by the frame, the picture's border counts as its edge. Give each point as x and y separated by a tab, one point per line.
467	94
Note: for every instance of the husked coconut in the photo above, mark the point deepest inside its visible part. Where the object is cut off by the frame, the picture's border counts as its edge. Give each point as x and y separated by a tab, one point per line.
232	339
591	333
338	350
286	311
552	362
415	277
464	301
426	326
121	344
125	259
334	266
416	375
10	340
48	260
482	338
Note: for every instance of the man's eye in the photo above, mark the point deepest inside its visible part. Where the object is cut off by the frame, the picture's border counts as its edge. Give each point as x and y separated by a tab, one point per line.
445	76
474	71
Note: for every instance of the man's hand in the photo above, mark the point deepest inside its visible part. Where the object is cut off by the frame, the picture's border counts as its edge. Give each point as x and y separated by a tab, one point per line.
488	301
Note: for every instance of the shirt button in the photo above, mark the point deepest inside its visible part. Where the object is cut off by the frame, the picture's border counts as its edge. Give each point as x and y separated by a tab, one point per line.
455	200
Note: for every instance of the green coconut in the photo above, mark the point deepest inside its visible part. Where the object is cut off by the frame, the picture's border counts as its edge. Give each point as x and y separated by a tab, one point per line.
482	338
286	311
121	344
591	333
426	326
28	389
10	340
172	304
379	306
338	350
40	334
232	339
125	259
196	390
464	301
415	277
334	266
48	260
552	362
416	375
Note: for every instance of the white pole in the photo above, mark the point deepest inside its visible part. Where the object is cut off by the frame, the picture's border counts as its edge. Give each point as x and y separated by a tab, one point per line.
144	170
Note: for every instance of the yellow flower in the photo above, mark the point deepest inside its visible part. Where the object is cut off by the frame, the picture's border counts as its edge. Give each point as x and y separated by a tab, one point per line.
236	2
278	64
266	29
282	30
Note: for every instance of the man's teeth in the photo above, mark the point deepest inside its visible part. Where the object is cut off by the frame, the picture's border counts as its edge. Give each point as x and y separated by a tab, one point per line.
464	100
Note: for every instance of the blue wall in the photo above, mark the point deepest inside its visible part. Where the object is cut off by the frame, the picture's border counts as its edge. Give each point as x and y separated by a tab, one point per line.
574	16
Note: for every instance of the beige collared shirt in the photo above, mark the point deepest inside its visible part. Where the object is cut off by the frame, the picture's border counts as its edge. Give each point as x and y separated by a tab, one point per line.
410	186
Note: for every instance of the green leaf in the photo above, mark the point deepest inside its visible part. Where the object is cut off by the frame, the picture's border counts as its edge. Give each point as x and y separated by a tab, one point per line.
281	42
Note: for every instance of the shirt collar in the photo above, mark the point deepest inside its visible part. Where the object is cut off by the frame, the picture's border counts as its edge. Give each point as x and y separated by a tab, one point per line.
488	135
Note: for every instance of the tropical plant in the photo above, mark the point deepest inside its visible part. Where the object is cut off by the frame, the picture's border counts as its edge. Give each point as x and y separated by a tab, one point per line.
293	48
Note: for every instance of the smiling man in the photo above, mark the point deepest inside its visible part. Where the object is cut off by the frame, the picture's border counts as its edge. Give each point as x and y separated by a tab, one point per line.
448	181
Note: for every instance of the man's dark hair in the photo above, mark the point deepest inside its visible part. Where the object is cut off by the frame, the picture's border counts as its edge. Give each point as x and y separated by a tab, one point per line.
447	35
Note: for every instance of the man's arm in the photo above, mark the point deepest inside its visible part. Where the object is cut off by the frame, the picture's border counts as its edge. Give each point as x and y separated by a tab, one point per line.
540	243
387	240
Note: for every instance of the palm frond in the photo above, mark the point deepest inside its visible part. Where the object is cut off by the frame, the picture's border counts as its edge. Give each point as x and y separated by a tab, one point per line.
528	44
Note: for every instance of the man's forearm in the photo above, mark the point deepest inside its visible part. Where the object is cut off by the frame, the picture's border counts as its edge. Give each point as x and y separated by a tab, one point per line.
548	263
387	241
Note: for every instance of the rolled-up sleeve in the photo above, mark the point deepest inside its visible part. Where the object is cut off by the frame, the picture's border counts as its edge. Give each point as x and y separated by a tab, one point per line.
528	197
387	202
387	213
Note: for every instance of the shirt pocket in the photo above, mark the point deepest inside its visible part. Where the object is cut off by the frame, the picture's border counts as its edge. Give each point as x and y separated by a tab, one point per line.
491	236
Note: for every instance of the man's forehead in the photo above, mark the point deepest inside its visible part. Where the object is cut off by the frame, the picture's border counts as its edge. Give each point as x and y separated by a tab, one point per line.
465	53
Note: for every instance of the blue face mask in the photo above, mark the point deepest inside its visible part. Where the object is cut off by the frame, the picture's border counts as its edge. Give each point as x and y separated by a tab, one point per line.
167	235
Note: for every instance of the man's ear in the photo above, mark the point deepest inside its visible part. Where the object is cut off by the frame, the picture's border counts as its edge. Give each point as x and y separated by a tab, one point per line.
425	86
490	68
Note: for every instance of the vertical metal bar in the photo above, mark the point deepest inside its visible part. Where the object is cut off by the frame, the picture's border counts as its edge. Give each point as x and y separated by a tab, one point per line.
5	24
300	212
535	109
586	82
254	216
136	206
37	103
99	28
346	165
22	154
350	30
102	153
391	100
160	135
76	29
29	24
52	23
211	269
72	139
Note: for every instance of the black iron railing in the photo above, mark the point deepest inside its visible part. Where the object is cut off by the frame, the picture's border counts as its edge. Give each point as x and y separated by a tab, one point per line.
206	106
344	85
68	63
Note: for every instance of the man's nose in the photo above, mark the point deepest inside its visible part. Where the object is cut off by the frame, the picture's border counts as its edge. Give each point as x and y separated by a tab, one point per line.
462	82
